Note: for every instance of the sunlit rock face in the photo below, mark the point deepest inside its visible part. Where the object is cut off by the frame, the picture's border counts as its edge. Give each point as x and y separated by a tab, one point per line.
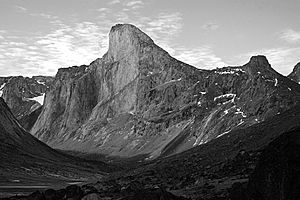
295	75
24	95
137	99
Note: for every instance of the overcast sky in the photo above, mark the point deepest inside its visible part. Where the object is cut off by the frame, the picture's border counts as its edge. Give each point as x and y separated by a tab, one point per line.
39	36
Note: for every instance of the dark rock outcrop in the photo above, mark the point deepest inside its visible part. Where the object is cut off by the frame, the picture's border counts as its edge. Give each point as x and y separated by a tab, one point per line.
277	175
137	99
295	75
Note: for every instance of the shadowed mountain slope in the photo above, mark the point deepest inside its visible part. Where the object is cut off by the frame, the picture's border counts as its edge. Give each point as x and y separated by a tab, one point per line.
26	159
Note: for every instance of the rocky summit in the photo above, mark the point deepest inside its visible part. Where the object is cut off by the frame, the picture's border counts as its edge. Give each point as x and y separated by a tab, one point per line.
24	96
139	100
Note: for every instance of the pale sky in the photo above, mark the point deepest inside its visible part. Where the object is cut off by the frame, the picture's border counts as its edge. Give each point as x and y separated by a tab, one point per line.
39	36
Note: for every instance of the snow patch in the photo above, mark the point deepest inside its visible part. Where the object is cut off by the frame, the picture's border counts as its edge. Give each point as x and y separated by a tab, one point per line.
240	112
230	71
241	122
276	82
223	134
175	80
171	81
40	82
230	95
39	99
1	89
2	86
131	112
150	157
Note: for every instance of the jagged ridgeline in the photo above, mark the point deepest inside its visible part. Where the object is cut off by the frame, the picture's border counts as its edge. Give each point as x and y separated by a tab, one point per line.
137	99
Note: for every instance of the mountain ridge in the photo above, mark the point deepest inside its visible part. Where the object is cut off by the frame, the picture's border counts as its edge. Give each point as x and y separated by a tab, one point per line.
137	99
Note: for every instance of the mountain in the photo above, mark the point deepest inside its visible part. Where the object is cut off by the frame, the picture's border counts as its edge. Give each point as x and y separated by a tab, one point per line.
138	100
24	95
295	75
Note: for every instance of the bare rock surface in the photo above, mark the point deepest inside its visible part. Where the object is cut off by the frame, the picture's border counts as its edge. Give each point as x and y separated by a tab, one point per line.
138	100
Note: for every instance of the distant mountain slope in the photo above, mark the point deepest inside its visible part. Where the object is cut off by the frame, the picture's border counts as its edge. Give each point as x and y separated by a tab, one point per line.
24	95
295	75
137	100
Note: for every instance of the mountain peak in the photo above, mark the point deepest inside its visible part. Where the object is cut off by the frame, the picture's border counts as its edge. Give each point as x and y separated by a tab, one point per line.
125	39
259	61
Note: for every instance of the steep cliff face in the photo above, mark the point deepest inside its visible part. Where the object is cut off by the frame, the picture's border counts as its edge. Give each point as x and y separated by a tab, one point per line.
67	104
295	75
137	99
24	95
